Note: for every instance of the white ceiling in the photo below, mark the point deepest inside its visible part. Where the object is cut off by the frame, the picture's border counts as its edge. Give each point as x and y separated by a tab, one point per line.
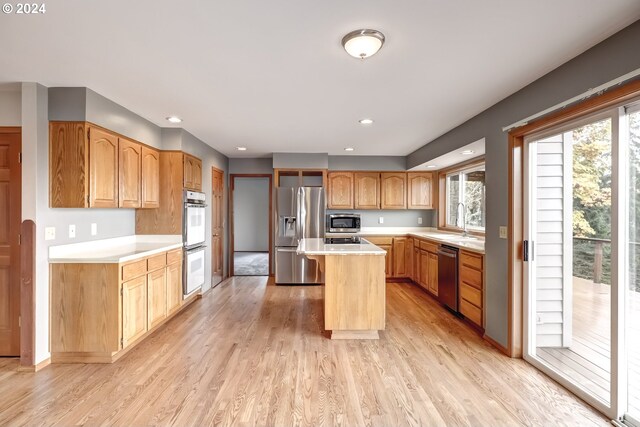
454	157
272	76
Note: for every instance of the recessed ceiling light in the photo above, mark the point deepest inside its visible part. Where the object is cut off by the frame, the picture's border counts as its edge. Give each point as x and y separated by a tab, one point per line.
241	148
363	43
467	152
430	166
349	149
174	119
365	121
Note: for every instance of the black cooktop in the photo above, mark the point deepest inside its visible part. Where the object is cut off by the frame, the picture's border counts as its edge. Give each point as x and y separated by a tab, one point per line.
353	240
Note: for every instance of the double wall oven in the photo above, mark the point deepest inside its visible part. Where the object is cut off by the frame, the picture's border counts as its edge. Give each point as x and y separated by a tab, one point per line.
193	236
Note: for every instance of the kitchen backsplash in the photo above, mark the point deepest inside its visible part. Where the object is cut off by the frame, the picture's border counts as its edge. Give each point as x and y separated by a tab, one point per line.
394	218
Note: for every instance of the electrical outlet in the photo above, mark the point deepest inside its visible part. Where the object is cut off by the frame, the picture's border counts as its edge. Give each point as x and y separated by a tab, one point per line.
381	220
49	233
503	232
72	231
419	220
94	229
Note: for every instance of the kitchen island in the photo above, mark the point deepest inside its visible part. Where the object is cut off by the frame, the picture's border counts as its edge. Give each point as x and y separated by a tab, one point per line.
354	294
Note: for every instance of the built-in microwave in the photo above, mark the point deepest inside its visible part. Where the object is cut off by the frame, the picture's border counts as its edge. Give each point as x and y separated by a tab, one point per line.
343	223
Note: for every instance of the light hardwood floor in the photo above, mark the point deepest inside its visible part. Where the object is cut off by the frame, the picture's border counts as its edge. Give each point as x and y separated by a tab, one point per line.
252	354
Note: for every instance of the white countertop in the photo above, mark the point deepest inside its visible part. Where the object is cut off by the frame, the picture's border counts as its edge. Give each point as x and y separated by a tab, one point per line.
116	250
319	247
475	244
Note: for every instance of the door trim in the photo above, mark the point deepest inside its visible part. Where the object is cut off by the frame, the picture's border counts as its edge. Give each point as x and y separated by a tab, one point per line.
232	178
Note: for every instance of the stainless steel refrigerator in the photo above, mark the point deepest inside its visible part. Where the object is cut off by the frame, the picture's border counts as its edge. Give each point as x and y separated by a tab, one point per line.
300	213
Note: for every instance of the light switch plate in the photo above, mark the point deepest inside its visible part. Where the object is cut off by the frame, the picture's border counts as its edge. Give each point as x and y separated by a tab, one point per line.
419	220
72	231
381	220
503	232
94	229
49	233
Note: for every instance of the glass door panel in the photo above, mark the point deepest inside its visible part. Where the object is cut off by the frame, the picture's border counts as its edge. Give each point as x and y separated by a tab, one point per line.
569	233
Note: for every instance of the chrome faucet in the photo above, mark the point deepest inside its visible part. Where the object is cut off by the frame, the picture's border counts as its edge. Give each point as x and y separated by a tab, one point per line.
464	218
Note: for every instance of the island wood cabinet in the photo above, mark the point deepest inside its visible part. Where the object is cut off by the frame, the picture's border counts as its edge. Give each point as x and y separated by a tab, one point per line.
100	311
380	190
340	190
192	173
367	190
92	167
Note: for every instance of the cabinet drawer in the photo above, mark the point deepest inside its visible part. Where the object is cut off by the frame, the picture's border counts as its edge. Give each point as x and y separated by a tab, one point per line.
157	261
135	269
174	256
471	260
380	240
471	312
471	277
471	294
428	246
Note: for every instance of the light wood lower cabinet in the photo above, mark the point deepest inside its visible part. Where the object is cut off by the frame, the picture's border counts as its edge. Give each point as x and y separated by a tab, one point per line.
432	276
399	257
471	287
100	311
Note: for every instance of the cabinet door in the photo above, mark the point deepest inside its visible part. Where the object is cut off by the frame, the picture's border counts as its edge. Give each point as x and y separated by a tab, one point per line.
433	273
174	287
103	169
393	190
399	257
150	178
134	310
157	294
424	269
129	173
197	174
416	263
188	172
367	190
388	260
420	190
340	190
408	256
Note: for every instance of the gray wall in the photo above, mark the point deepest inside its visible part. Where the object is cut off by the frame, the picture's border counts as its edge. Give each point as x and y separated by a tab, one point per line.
10	105
251	224
262	165
370	163
606	61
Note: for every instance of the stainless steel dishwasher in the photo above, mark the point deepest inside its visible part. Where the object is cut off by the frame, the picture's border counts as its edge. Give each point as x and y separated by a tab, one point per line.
448	276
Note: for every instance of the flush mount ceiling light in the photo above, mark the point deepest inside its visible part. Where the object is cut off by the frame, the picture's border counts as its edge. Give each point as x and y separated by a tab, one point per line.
174	119
363	43
349	149
467	152
430	166
241	148
365	121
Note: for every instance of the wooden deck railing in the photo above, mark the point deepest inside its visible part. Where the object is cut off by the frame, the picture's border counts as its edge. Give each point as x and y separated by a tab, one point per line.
598	255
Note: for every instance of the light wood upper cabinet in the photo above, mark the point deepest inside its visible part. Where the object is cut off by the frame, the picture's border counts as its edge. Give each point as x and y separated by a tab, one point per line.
420	190
192	173
367	190
103	169
134	310
150	178
130	174
393	187
340	190
157	297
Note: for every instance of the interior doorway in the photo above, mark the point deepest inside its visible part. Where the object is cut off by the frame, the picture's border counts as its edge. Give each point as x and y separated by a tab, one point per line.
251	225
10	223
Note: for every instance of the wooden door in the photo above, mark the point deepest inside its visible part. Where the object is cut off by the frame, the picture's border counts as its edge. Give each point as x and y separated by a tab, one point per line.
217	226
388	260
424	269
150	178
420	190
393	190
399	257
197	174
433	273
367	190
174	287
10	220
340	190
129	174
134	310
157	297
103	169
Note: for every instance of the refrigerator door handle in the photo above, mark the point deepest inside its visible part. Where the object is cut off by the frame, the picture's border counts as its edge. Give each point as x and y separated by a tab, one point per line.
286	249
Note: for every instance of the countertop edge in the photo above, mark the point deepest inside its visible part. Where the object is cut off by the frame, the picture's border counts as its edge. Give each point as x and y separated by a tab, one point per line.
115	259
